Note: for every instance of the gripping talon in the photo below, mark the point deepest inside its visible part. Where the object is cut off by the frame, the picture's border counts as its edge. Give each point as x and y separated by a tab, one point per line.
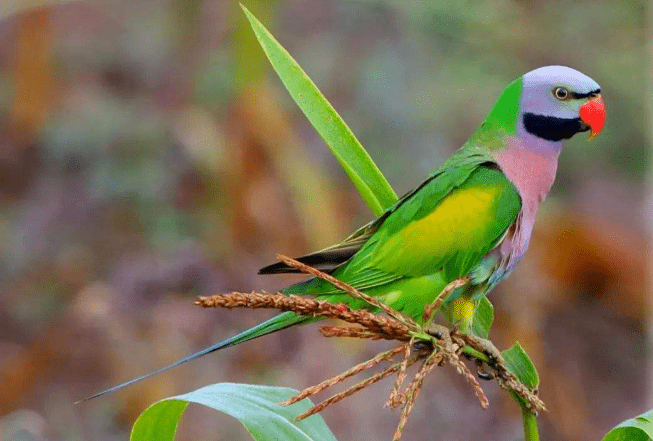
439	332
482	373
488	348
422	345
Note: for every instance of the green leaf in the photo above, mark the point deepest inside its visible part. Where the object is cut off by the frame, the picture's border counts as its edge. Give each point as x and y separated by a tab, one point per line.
358	164
518	362
159	421
483	318
254	406
639	428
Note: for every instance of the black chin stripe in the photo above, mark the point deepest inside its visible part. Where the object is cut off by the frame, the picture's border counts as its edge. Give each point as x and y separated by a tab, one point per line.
552	128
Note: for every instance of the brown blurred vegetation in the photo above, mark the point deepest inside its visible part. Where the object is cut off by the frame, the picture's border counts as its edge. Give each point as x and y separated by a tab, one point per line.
148	155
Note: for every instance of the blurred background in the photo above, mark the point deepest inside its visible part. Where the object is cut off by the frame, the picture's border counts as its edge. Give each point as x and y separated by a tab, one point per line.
148	154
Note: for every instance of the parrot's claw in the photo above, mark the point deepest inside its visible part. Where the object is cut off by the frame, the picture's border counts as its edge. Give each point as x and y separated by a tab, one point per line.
422	346
439	332
442	334
482	373
487	348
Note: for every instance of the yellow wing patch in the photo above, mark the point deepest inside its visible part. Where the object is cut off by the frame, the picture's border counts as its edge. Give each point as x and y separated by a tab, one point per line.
460	222
453	221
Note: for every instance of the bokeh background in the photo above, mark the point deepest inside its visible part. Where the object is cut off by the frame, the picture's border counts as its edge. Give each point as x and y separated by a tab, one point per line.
148	154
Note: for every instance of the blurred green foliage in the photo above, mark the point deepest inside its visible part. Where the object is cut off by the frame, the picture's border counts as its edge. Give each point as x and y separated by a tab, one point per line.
152	177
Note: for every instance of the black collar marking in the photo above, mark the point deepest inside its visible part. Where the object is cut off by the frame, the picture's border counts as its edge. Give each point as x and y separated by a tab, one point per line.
552	128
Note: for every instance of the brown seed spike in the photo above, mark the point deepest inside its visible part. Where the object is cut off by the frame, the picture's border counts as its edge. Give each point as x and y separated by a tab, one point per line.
335	380
438	346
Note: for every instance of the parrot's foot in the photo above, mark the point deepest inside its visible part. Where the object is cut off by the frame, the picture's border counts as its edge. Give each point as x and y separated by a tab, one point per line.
486	347
449	336
443	335
440	332
482	373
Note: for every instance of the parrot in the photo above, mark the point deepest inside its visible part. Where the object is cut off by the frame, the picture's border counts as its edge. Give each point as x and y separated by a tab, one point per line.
469	220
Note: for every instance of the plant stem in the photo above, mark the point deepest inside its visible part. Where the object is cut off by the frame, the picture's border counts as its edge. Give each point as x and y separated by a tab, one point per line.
530	425
475	353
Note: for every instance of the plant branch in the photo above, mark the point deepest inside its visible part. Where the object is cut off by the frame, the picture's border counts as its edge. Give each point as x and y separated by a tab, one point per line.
433	307
386	327
335	380
435	346
344	287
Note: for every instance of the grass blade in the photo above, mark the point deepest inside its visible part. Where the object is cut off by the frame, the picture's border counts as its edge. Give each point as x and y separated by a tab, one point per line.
357	163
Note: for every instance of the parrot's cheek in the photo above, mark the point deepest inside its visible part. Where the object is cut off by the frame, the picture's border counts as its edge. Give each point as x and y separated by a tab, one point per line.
592	113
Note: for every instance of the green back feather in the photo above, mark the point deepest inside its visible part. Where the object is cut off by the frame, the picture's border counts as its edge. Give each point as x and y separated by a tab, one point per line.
413	238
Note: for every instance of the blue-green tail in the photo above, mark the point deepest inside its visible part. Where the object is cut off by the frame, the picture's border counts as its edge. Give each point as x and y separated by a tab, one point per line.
274	324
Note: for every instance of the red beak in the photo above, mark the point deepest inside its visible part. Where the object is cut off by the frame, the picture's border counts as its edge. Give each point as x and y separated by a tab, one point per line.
592	113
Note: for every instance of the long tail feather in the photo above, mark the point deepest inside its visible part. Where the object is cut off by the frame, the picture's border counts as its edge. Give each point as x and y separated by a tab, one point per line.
274	324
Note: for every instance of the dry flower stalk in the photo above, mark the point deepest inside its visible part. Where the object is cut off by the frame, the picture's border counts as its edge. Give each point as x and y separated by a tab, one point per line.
355	388
354	332
462	369
445	348
385	326
395	399
353	371
430	309
344	286
412	391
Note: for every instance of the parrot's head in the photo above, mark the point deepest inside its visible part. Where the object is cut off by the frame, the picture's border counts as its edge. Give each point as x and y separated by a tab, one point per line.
557	102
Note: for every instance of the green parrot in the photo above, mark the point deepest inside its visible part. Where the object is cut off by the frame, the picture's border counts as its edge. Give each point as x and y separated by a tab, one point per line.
473	217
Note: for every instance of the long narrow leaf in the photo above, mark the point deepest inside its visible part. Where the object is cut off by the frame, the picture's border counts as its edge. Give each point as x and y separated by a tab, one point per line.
254	406
358	164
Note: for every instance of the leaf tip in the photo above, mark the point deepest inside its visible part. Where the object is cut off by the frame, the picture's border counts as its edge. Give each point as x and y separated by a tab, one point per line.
247	12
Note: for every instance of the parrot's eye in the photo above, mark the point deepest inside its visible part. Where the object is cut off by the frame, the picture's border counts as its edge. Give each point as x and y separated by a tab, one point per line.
561	93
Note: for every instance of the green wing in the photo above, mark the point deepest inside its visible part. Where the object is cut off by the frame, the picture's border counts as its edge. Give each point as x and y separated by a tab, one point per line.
452	235
448	223
329	259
